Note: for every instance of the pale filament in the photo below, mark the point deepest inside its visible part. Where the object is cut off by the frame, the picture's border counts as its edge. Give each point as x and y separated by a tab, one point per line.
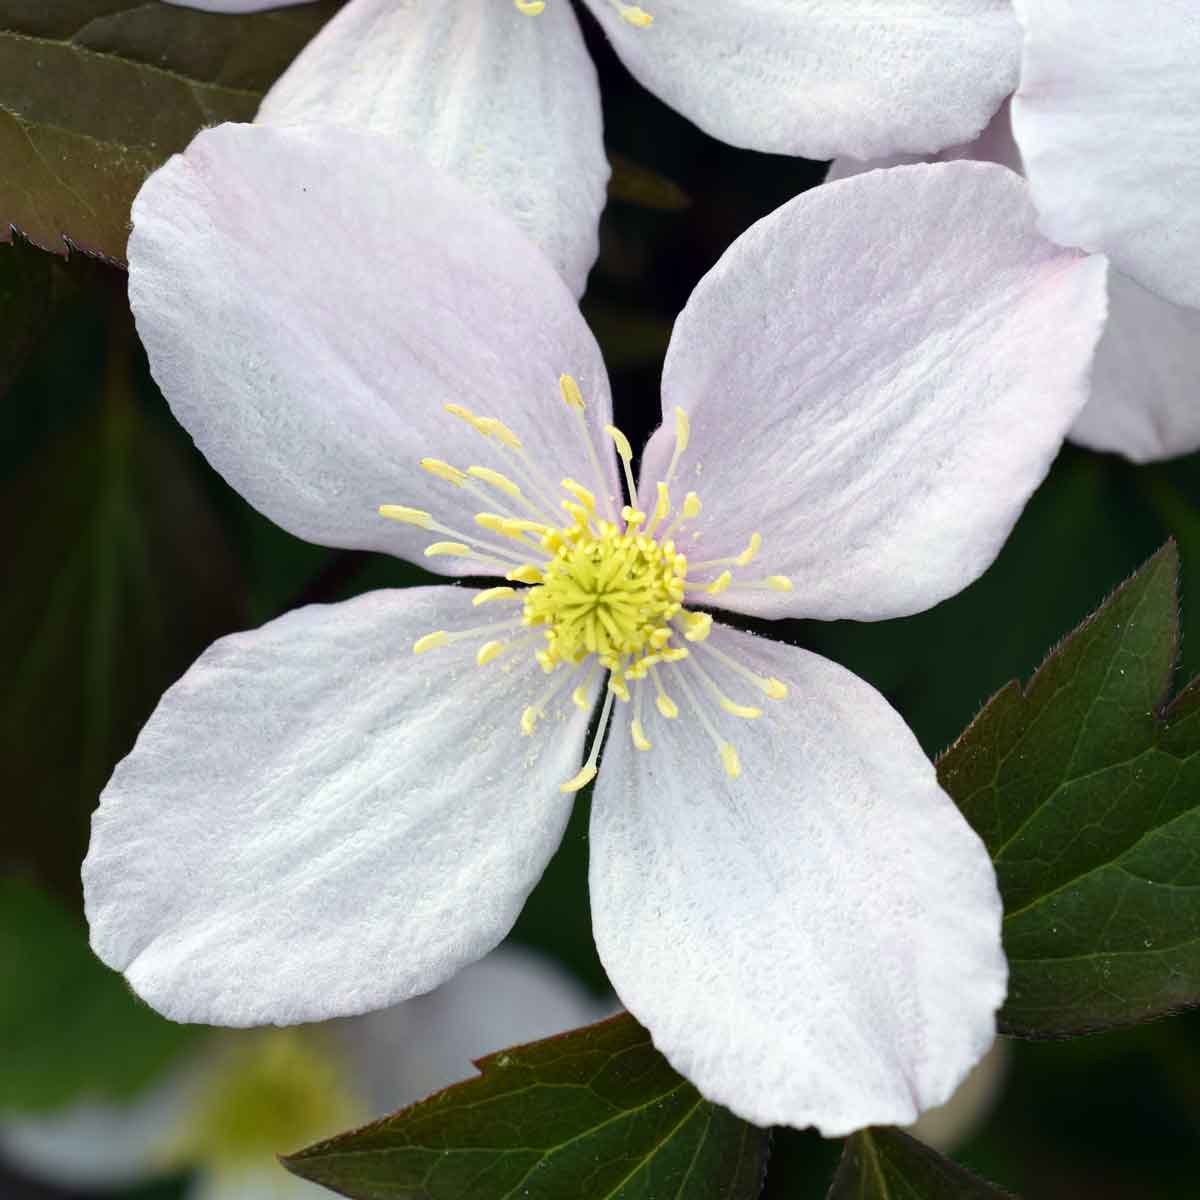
600	593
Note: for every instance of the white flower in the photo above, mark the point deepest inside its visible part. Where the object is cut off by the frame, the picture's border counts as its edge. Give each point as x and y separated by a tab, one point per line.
316	822
245	1097
1145	396
509	103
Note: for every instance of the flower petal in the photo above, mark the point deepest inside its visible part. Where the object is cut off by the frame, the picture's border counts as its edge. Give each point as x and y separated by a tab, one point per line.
310	300
900	355
1108	121
817	942
1143	399
825	77
508	105
314	822
405	1053
1146	384
236	6
256	1180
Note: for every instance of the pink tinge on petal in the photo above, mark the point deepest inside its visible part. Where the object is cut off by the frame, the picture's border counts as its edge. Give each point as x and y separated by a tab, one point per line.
899	356
311	300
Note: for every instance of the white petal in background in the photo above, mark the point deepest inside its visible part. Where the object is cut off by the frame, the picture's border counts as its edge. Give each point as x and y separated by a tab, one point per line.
508	104
310	299
315	822
901	354
1108	121
1145	394
949	1125
825	77
817	942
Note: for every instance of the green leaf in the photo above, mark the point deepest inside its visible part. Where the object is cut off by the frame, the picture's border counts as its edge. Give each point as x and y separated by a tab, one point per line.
596	1113
69	1027
117	574
885	1164
1085	786
94	94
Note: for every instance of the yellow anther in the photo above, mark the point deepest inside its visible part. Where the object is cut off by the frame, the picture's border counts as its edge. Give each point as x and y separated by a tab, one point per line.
493	428
675	654
443	470
750	551
582	494
624	449
531	8
570	391
740	710
495	593
431	641
508	527
406	516
779	583
666	706
776	689
664	503
618	686
529	719
729	760
683	430
632	517
463	414
579	698
585	776
639	737
691	505
488	652
458	549
638	17
525	573
502	482
720	584
699	626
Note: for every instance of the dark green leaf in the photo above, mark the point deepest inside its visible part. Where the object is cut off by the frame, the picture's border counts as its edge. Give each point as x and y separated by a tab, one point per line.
885	1164
590	1114
1085	787
94	94
69	1027
117	574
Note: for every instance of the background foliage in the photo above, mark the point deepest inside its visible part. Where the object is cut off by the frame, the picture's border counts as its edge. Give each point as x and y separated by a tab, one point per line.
125	555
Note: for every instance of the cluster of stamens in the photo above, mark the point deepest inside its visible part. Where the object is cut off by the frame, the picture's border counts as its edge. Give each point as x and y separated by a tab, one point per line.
632	13
603	591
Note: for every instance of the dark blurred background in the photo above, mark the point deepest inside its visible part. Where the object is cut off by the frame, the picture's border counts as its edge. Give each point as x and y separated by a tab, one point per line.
125	555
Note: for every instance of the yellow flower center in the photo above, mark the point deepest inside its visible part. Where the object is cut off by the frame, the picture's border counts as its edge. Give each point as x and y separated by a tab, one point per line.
604	592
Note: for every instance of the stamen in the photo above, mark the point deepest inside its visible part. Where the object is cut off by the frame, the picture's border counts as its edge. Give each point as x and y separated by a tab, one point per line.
625	454
585	497
439	638
697	625
588	771
573	398
443	470
745	711
691	508
579	697
662	701
424	520
454	549
715	588
534	712
773	688
661	509
738	560
729	756
489	651
531	8
640	741
634	15
494	593
407	516
772	583
683	435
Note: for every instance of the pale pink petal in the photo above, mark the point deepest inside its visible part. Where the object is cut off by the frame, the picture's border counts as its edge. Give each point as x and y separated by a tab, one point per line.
816	942
825	77
1108	121
312	298
315	822
506	103
878	376
1146	383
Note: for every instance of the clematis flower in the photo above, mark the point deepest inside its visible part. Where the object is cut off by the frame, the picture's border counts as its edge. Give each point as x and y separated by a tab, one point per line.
1144	383
505	96
244	1097
343	808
